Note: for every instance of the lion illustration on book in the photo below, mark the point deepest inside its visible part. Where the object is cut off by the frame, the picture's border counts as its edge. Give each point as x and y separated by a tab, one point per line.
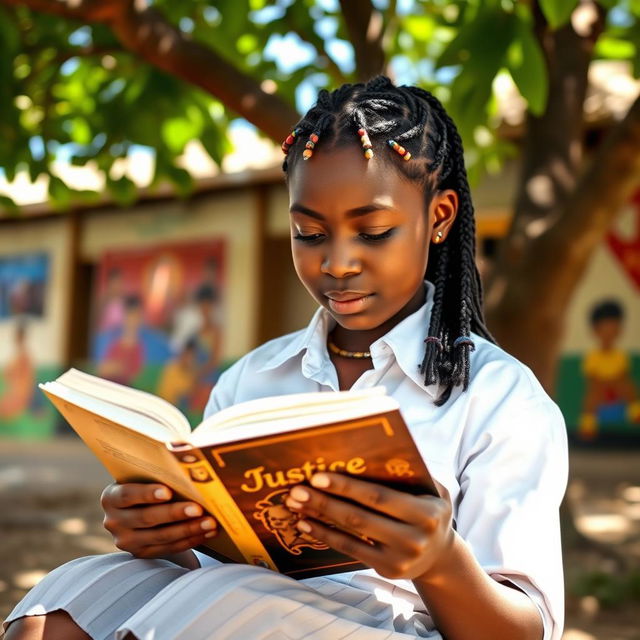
279	520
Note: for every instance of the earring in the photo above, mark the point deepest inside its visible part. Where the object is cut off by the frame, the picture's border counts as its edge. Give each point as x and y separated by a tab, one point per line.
438	237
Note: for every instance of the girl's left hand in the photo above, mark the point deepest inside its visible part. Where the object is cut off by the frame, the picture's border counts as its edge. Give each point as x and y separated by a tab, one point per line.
408	534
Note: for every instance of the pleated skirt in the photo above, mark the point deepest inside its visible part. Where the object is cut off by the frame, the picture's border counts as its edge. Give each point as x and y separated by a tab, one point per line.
111	595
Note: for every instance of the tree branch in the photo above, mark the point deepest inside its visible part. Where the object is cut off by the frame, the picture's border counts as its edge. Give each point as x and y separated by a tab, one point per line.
365	27
145	32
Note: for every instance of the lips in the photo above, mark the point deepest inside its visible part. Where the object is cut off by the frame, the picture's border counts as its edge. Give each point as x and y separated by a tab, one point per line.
346	296
348	302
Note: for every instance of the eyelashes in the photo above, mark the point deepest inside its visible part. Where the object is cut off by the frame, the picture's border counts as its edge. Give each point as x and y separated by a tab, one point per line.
377	237
316	238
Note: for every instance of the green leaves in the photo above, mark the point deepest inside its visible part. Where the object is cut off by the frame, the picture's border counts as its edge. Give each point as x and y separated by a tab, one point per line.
76	90
557	12
480	59
123	190
528	68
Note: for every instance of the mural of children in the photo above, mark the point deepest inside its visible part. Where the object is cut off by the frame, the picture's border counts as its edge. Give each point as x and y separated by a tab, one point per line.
18	378
611	397
124	356
111	312
178	377
208	342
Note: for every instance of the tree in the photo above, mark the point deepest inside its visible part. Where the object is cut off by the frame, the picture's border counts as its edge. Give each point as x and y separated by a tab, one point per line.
107	74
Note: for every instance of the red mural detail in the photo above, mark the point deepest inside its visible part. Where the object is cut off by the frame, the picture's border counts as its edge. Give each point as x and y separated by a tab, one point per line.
627	250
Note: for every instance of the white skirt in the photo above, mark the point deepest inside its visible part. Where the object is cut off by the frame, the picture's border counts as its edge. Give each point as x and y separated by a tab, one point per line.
111	595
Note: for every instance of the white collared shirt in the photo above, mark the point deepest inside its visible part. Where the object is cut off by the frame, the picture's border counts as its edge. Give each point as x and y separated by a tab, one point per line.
499	448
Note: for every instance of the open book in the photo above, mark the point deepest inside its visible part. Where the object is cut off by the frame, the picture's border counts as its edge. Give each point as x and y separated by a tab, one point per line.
240	463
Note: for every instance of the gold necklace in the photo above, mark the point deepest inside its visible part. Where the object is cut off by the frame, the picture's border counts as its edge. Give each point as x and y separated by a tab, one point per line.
347	354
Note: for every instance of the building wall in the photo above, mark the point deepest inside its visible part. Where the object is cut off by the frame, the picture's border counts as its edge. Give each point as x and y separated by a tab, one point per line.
46	338
231	216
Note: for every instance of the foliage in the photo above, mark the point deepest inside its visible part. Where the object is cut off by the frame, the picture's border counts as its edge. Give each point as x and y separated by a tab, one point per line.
69	87
610	589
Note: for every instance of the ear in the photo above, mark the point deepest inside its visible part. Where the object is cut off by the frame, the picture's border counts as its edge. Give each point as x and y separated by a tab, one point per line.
443	209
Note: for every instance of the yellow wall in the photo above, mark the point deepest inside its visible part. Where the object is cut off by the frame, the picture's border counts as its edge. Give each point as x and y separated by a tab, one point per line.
46	336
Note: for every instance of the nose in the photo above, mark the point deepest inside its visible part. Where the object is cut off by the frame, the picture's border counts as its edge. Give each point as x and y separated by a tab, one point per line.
341	260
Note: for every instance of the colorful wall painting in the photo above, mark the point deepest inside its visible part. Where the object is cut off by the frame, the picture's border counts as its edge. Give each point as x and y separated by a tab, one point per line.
599	387
24	280
158	320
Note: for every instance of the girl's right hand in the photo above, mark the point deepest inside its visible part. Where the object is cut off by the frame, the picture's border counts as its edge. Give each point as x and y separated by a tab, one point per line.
144	522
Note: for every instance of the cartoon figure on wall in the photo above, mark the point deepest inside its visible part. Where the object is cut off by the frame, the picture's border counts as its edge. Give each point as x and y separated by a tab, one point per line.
610	395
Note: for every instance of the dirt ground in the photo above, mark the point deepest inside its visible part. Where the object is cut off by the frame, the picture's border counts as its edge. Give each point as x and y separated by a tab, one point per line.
49	513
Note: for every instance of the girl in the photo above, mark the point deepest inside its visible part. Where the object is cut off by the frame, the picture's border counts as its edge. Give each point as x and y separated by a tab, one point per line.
379	198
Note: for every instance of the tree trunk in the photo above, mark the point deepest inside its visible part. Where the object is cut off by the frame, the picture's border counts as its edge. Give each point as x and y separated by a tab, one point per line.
526	295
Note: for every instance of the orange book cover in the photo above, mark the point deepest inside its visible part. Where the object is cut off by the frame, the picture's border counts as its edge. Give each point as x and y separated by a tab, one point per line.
258	474
240	463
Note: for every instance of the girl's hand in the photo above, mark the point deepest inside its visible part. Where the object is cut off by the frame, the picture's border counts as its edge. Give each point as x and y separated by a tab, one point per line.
143	522
408	534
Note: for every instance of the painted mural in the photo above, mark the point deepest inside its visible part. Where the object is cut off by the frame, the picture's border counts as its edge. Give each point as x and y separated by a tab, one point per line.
24	281
158	321
599	381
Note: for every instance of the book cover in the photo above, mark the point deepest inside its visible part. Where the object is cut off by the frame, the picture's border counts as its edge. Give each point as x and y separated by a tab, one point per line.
241	466
257	475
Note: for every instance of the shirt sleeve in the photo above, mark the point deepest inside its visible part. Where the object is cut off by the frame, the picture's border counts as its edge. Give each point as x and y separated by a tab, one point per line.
512	476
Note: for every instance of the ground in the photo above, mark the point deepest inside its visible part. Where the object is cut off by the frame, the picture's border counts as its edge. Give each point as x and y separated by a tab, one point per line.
49	513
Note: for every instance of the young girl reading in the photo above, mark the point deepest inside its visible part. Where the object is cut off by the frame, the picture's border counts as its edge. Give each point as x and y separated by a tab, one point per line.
382	235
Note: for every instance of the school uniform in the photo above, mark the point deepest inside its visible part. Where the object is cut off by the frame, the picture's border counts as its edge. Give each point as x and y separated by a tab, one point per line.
499	448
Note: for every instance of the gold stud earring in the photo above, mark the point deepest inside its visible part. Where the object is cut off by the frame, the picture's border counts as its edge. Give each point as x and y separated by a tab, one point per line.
438	237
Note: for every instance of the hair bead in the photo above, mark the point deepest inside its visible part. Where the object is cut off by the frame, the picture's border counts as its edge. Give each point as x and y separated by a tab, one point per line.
310	146
406	155
366	143
289	140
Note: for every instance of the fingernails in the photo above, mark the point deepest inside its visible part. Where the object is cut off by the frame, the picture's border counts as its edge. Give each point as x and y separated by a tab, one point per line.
208	524
193	511
162	494
294	504
320	480
304	526
210	534
299	494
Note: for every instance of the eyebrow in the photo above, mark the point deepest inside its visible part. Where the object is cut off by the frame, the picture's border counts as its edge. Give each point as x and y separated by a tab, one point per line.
351	213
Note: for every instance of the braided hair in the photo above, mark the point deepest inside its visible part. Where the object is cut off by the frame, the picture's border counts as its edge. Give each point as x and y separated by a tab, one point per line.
417	120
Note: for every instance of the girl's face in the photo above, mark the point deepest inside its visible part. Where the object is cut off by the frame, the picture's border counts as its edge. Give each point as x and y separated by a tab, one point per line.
360	236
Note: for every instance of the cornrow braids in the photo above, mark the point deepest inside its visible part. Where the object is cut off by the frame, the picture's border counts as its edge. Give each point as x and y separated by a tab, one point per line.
419	125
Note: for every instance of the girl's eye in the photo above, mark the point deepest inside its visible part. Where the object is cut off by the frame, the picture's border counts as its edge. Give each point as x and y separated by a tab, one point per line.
377	237
311	238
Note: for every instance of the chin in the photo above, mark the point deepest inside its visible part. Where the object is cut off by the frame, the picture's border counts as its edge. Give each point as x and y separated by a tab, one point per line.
357	323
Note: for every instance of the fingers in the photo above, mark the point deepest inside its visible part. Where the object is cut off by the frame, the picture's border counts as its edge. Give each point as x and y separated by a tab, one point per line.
347	516
155	515
121	496
144	523
167	539
424	511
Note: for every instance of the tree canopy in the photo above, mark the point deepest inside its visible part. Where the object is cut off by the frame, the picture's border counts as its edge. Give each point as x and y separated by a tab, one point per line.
93	79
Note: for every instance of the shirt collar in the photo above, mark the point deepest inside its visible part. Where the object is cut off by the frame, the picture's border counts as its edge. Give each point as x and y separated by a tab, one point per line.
405	340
